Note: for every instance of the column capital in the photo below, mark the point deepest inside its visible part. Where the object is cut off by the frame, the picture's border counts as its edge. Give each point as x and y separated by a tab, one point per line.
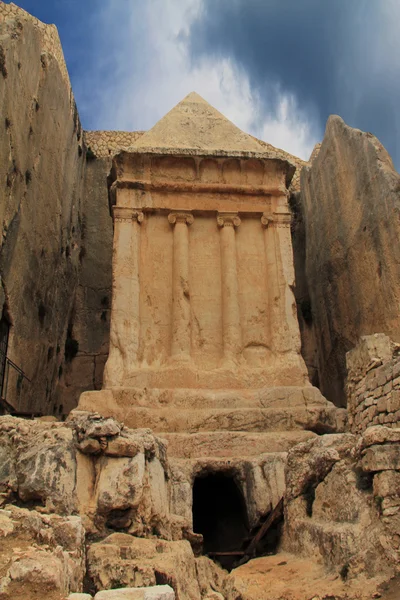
228	220
123	214
267	220
181	217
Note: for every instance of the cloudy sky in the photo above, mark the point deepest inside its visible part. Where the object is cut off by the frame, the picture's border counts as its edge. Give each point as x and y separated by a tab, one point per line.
277	68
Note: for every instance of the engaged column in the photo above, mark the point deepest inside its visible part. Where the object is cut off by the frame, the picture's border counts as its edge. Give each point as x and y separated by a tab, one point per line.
181	331
231	328
125	318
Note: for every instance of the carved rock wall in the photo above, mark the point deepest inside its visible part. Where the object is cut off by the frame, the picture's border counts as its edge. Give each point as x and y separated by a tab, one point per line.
350	196
41	169
89	324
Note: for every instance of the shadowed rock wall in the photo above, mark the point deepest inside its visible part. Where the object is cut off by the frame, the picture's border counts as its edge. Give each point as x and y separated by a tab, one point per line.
350	196
41	180
89	324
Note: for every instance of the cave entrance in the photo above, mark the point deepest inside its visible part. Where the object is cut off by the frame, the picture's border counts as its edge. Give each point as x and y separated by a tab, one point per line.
220	515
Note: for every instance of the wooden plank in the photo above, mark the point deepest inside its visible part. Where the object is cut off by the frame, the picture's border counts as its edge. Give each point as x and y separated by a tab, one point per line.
273	516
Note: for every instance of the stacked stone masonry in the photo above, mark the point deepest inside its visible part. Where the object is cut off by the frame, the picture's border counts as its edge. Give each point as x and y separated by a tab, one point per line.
374	395
49	33
107	143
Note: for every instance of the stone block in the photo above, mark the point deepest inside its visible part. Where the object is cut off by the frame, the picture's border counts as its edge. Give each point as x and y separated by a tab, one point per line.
381	458
387	483
387	388
396	369
380	435
90	446
158	592
121	446
394	402
382	405
370	401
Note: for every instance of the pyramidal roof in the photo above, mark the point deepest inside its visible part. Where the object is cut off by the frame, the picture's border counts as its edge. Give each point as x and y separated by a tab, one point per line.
193	124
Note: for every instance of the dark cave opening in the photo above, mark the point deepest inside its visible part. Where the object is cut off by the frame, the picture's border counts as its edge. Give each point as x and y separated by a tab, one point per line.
219	514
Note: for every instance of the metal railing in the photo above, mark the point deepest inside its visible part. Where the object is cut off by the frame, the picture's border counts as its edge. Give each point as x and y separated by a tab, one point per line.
7	363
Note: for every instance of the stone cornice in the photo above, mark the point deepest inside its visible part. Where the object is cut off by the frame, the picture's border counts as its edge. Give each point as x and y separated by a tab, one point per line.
200	188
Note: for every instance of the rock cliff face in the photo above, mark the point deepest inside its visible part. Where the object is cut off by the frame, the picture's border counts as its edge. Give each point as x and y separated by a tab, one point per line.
350	196
56	245
41	169
90	317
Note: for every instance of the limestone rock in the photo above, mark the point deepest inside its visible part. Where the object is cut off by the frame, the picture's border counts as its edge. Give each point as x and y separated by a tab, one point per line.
289	577
40	555
40	466
60	467
123	560
331	509
379	435
157	592
381	458
349	195
41	238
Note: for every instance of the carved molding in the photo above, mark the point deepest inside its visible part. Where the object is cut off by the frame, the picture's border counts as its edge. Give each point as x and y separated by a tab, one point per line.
282	219
124	214
181	217
228	220
267	220
276	220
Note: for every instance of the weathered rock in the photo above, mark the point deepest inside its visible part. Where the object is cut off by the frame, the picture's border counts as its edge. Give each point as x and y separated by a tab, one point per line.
90	446
379	435
331	513
41	174
349	195
289	577
309	463
123	560
381	458
41	556
44	464
40	467
122	446
157	592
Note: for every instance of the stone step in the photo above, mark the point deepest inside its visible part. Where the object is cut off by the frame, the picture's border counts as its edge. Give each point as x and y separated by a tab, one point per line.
187	398
320	419
231	444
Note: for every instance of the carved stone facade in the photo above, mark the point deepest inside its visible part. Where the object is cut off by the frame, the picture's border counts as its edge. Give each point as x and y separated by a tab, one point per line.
204	340
202	274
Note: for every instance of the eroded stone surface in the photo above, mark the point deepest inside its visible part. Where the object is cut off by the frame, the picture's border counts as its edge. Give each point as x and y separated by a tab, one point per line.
41	556
349	195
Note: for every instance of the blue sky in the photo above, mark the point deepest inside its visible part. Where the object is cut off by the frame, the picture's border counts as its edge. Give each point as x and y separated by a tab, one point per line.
277	68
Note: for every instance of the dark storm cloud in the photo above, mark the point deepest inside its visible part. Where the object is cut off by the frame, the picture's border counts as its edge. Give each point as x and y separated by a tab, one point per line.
335	56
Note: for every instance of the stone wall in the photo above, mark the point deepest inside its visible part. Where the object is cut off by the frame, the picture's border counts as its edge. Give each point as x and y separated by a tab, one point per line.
41	174
373	383
350	200
104	144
